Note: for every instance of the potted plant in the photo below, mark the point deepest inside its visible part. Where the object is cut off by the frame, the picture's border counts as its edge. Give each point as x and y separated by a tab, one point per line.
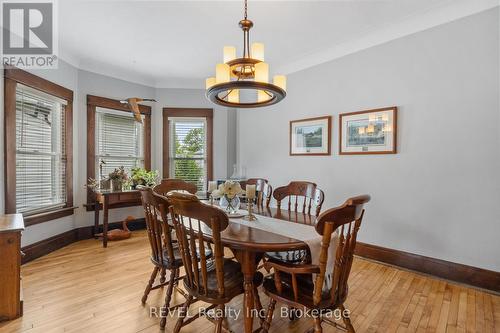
141	176
117	178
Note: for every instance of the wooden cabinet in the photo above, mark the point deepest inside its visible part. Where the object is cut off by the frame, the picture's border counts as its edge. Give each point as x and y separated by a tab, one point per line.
10	266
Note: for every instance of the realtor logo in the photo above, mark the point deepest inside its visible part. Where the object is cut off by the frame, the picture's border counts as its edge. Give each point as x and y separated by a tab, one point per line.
28	33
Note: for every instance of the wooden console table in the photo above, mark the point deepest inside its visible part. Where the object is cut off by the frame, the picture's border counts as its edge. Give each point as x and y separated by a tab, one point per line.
11	303
110	200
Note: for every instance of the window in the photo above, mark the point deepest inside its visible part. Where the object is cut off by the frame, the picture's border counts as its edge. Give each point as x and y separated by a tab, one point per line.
119	142
40	151
38	147
115	139
188	151
187	145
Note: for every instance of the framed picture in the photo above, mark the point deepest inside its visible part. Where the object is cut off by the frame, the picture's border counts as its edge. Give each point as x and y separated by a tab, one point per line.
310	136
368	132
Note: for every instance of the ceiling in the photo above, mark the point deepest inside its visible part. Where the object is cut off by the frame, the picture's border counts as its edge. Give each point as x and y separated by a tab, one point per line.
178	43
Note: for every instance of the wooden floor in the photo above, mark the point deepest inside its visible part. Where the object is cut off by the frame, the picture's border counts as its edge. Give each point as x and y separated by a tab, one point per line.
85	288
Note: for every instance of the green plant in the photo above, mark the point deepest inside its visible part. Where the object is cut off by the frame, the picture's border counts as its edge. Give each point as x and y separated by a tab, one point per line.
141	176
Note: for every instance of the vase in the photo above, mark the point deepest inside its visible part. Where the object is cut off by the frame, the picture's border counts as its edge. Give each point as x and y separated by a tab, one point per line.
116	185
230	206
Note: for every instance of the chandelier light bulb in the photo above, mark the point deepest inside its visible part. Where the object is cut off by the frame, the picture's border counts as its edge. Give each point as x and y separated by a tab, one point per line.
257	51
221	73
229	53
280	81
234	96
262	96
262	72
209	83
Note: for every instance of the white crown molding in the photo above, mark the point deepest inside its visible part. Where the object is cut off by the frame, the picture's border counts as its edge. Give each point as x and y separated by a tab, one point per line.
69	58
181	83
427	19
415	23
117	73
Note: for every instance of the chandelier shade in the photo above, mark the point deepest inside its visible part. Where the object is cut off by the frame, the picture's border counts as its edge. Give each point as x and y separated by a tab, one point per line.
249	73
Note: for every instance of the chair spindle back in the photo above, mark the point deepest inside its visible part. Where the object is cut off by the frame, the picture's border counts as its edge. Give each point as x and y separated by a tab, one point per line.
159	231
171	184
192	219
346	220
264	191
300	194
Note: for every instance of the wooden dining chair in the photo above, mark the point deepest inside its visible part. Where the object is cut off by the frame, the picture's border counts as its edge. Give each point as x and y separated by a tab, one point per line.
263	189
172	184
302	285
165	256
197	225
301	197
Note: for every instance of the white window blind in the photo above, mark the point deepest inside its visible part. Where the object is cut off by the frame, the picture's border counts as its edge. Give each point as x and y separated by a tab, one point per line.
40	151
119	142
188	150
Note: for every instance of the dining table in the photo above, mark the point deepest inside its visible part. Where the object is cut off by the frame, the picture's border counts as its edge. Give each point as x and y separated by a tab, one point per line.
249	244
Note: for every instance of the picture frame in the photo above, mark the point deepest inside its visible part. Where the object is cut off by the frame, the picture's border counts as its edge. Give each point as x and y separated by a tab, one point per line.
368	132
311	136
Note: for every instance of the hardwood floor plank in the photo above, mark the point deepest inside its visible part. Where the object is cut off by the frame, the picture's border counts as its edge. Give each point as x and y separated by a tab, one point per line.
479	312
462	311
84	288
488	314
471	312
427	310
401	308
451	325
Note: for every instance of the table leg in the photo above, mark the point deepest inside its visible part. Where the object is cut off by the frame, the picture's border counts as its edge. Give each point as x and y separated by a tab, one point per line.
96	218
248	261
105	222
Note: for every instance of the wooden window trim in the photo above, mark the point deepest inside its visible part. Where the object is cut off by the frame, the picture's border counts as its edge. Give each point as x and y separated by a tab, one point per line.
208	114
96	101
12	77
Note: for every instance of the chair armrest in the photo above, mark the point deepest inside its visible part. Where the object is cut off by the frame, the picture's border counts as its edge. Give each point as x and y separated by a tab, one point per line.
292	268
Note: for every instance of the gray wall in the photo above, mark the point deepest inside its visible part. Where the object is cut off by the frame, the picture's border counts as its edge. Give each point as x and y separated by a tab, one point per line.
83	83
440	195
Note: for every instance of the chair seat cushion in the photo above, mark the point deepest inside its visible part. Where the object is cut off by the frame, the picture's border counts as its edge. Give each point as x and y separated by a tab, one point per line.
294	257
233	284
166	263
305	290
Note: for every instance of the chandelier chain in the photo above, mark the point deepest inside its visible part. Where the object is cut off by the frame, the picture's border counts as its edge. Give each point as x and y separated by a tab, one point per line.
246	9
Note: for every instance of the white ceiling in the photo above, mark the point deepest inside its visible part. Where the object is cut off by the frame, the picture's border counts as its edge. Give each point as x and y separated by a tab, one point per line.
178	43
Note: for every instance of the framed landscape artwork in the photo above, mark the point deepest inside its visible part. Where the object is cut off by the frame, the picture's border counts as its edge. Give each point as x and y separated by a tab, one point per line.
368	132
310	136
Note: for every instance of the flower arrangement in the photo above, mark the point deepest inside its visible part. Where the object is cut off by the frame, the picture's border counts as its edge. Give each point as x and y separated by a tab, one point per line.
228	193
229	189
118	174
141	176
118	177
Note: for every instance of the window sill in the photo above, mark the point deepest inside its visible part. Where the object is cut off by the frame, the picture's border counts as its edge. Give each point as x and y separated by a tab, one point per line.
48	216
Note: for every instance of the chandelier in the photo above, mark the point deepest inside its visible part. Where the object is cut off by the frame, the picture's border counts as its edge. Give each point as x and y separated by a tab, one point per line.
249	73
